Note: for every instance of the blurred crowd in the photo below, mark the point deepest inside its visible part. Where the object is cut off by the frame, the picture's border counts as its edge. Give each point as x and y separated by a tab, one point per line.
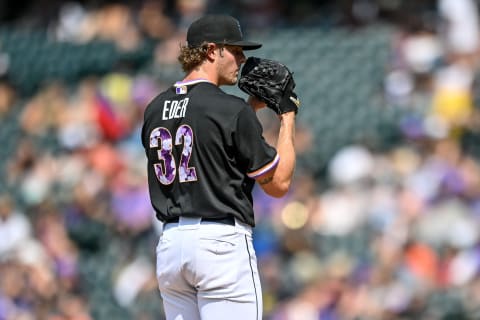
377	234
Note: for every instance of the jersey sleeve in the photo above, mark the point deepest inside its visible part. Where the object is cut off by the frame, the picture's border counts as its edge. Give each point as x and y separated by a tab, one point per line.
254	151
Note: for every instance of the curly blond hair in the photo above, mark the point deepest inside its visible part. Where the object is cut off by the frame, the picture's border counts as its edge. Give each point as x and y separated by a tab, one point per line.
190	58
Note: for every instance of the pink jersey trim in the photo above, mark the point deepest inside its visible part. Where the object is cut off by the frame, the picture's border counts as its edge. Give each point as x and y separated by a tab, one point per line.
265	168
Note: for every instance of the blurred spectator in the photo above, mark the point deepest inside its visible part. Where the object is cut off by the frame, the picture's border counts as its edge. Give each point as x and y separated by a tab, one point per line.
130	202
189	11
77	127
71	307
52	233
131	279
40	114
416	52
72	22
111	22
167	52
461	31
452	103
153	20
15	228
8	96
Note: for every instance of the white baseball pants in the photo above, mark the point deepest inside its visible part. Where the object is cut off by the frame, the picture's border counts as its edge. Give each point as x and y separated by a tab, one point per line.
208	271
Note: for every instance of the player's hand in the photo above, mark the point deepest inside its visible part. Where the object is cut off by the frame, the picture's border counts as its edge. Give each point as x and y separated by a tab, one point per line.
270	81
256	103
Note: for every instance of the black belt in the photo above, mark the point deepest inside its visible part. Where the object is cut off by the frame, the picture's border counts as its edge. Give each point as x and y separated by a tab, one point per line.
226	220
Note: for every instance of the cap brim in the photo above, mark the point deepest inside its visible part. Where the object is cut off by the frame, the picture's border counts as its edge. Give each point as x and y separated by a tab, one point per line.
246	45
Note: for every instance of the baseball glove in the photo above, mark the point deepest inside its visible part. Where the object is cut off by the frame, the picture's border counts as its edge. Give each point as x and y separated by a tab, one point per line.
271	82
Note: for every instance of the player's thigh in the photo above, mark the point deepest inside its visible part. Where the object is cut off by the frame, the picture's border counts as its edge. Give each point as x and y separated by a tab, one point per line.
179	298
180	305
168	261
229	282
221	309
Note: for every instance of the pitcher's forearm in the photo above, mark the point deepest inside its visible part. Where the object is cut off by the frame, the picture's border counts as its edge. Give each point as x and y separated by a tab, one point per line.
286	150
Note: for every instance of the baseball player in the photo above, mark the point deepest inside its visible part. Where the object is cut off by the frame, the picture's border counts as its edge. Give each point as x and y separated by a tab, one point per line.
205	151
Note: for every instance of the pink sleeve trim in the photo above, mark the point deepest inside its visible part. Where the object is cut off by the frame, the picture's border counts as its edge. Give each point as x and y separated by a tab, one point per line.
265	168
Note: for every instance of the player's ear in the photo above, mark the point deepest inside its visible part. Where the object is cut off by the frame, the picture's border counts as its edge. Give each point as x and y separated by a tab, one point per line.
211	54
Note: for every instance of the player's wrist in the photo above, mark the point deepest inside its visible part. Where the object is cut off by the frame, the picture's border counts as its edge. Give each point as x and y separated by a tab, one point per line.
256	103
290	115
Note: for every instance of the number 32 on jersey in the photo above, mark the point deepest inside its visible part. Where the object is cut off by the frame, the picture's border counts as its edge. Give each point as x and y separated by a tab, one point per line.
166	170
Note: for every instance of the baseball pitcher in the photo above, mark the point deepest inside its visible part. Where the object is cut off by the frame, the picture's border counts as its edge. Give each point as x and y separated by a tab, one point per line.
205	152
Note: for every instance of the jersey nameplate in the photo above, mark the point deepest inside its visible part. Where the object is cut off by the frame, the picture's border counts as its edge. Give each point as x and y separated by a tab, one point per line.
174	109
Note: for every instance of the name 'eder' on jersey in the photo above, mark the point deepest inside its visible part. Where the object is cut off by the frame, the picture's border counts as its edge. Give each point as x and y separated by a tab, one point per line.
174	109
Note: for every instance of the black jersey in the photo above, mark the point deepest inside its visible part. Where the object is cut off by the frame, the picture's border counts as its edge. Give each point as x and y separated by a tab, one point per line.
204	149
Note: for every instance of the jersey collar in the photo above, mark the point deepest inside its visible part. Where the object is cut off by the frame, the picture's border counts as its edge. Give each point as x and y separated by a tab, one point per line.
181	87
190	82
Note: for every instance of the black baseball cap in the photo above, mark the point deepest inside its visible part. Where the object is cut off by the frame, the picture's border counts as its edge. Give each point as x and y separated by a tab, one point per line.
221	29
